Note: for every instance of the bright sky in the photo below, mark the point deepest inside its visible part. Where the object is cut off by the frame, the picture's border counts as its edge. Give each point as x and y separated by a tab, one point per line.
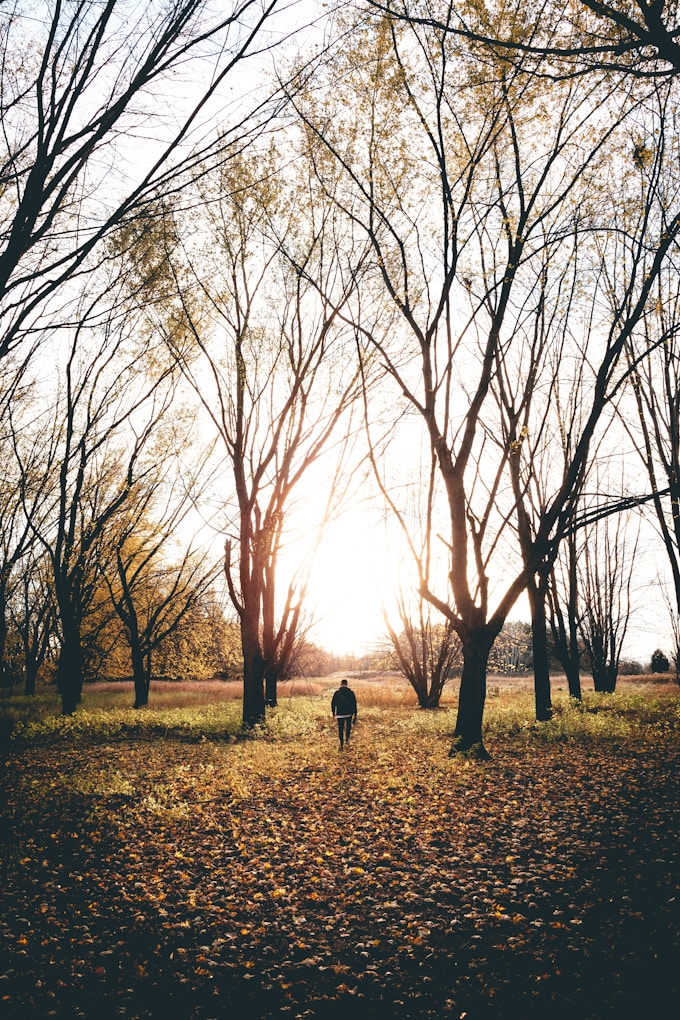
351	579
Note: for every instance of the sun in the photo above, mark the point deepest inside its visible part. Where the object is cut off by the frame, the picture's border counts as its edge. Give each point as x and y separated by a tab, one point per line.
351	582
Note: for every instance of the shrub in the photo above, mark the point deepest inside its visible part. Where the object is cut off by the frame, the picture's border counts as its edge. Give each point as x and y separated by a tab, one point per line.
660	663
630	667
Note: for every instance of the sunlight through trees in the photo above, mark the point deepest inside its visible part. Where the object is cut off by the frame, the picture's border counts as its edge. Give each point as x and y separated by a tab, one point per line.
263	266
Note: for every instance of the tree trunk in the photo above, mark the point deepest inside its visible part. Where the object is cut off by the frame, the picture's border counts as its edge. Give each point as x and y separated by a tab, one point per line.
573	675
141	664
472	695
564	626
34	645
604	678
30	676
142	682
569	655
432	695
271	675
70	674
612	676
253	690
253	676
539	645
607	677
142	685
3	634
141	676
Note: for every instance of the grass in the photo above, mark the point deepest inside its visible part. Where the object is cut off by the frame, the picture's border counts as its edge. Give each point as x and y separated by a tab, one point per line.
211	711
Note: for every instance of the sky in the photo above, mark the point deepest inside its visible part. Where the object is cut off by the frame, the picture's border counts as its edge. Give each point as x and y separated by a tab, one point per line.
353	579
351	582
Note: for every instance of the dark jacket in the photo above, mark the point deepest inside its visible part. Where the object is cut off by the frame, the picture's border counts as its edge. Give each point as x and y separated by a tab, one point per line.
344	702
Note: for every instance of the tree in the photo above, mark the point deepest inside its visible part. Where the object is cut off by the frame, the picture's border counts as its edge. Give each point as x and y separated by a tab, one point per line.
311	661
424	653
205	644
101	422
674	617
659	662
563	613
655	435
423	649
15	527
506	174
151	595
268	360
637	38
33	616
605	582
78	80
541	390
26	596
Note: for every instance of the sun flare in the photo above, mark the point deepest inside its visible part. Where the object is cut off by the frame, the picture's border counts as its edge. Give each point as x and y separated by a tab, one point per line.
351	582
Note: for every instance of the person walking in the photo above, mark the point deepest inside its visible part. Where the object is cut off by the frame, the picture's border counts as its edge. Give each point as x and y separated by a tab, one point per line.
344	709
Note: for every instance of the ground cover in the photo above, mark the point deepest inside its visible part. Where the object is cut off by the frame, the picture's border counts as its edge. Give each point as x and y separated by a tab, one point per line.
170	867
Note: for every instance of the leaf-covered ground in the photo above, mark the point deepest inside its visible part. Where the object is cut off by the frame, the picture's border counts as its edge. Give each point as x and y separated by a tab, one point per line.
154	878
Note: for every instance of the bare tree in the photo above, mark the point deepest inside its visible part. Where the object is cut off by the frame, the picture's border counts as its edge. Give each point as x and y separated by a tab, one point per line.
104	414
269	361
33	615
16	536
674	618
505	175
424	651
562	596
656	433
82	85
423	648
541	388
605	572
26	599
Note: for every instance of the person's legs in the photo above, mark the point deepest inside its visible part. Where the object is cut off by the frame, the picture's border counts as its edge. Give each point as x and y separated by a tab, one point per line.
344	730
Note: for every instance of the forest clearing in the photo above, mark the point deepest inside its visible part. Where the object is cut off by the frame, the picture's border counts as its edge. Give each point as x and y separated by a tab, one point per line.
205	875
